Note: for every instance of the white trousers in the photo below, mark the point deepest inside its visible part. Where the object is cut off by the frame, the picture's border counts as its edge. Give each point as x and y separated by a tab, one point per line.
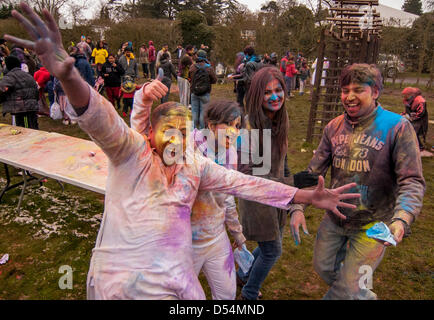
184	91
217	263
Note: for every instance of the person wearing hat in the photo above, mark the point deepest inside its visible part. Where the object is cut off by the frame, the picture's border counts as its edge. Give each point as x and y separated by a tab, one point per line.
19	94
201	76
128	89
417	114
129	64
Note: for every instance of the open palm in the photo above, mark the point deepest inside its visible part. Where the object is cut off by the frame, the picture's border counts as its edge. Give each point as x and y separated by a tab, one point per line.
47	41
330	199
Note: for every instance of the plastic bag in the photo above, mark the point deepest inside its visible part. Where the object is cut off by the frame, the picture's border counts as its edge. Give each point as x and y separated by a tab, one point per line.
244	258
381	232
55	112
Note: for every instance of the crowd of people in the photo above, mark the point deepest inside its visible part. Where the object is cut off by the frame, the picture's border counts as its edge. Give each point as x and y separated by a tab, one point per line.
167	205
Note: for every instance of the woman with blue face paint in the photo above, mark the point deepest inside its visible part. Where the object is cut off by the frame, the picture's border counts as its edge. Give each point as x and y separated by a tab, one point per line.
265	108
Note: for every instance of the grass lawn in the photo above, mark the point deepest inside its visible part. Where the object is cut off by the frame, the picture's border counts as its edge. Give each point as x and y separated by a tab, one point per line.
55	229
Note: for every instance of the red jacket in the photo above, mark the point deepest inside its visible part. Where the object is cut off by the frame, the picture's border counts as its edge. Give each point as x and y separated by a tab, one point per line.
42	76
291	71
123	94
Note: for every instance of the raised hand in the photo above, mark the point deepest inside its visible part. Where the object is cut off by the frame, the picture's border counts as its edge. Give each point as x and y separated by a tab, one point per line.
47	41
156	89
330	199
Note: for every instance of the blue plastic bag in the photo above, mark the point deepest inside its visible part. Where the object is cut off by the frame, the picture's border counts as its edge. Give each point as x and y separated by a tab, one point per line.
244	258
381	232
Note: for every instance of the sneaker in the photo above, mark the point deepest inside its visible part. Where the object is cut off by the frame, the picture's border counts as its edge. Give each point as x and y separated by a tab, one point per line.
73	122
65	122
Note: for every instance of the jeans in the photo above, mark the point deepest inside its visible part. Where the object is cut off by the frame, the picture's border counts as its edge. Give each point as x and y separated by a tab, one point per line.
266	255
341	258
128	104
166	97
197	107
288	83
152	69
241	92
145	70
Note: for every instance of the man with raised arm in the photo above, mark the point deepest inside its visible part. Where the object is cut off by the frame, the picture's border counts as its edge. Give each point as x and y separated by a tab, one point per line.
143	249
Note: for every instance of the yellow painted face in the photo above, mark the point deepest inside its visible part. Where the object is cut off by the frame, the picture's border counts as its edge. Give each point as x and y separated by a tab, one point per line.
168	138
231	132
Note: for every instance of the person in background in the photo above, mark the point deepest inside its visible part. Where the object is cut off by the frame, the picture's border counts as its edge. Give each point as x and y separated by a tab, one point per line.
99	53
112	74
129	64
169	71
42	76
178	53
19	94
152	59
165	49
83	66
144	60
128	89
417	113
85	48
201	77
290	73
304	74
183	73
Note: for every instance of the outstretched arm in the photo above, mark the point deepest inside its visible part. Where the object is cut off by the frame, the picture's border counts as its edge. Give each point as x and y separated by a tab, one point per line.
143	98
218	178
94	113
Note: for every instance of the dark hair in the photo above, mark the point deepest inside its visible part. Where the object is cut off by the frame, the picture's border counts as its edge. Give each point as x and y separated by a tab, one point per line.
111	55
189	47
249	50
2	41
362	73
169	109
165	55
222	111
254	106
12	62
100	44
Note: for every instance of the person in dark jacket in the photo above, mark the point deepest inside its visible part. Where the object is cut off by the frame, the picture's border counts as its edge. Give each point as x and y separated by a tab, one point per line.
112	73
169	71
19	94
129	63
378	150
83	66
416	112
198	101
